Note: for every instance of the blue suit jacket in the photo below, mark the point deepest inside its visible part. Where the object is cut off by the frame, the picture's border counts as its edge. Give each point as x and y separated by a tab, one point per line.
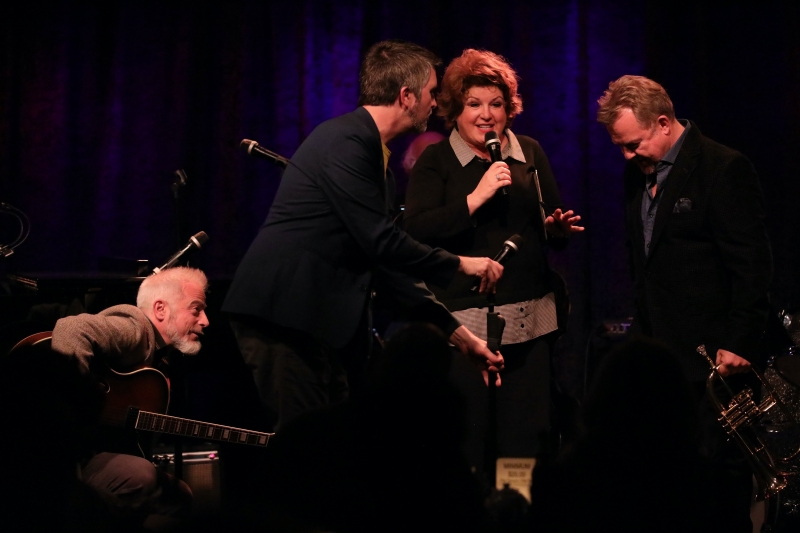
328	233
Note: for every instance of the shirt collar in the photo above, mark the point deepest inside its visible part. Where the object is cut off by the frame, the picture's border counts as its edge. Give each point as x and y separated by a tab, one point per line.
160	342
672	154
465	154
386	155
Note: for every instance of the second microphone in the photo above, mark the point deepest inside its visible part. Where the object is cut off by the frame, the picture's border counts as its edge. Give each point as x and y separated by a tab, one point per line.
510	247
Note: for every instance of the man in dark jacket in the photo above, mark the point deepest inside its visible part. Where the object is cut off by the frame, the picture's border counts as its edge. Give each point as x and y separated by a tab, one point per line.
300	298
698	247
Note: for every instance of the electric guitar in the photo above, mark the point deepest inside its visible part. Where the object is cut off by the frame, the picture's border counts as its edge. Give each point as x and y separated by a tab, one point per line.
139	400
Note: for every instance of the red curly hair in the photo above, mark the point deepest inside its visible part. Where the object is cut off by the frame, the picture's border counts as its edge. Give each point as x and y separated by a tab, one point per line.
477	68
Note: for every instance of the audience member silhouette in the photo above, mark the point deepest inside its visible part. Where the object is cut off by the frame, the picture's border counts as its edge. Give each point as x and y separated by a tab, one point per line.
389	460
50	419
636	467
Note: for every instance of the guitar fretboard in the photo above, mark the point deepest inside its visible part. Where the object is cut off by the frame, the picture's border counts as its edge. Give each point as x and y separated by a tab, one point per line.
190	428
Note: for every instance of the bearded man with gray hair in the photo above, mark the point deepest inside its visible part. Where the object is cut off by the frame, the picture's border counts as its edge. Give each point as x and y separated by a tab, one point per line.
170	311
169	315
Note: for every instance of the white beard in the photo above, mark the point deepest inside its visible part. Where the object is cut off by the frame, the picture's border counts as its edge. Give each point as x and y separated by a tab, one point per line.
183	345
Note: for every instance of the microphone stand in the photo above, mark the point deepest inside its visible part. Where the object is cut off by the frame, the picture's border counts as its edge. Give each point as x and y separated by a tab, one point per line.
177	187
495	324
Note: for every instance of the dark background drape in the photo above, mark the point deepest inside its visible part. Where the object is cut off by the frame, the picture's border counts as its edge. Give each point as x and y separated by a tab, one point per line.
100	104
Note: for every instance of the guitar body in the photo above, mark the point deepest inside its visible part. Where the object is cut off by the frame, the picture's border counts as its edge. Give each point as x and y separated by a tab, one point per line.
138	400
146	389
33	340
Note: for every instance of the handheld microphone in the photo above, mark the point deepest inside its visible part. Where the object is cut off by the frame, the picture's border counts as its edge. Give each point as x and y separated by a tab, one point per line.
493	145
254	149
196	241
510	247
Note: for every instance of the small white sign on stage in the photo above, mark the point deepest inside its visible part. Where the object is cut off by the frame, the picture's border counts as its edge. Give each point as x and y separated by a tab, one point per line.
516	472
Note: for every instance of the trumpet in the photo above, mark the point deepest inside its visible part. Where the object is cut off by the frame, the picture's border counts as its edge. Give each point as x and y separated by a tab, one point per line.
738	419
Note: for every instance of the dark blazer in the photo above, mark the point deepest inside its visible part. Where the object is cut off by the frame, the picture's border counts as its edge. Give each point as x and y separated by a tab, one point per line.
705	280
328	232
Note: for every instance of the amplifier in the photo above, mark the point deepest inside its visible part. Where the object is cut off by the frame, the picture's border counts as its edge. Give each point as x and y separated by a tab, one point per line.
201	471
604	338
614	329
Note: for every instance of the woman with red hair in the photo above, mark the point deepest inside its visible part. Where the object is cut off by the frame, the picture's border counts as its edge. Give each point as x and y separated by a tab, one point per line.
460	200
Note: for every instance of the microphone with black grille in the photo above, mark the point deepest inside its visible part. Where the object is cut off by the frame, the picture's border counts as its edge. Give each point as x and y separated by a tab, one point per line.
195	242
492	142
256	150
510	247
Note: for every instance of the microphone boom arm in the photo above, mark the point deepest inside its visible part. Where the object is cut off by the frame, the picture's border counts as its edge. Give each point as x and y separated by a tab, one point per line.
254	149
195	241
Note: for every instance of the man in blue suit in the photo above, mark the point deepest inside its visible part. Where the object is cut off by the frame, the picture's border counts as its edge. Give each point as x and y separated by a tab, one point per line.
299	302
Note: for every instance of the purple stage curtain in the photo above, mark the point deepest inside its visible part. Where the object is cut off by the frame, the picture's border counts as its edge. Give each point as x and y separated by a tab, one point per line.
99	105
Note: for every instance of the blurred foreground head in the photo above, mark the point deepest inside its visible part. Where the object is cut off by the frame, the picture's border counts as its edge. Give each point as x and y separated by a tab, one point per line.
418	352
640	393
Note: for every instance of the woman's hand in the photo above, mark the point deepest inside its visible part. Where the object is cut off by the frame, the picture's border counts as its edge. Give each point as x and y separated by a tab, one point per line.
498	175
562	224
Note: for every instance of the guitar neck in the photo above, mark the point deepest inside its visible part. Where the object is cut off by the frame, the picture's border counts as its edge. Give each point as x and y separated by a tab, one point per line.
172	425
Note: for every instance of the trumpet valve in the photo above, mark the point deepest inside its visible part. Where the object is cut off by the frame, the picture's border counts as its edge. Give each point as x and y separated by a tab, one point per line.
741	410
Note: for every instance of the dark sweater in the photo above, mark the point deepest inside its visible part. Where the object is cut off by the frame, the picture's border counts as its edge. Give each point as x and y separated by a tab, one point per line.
436	213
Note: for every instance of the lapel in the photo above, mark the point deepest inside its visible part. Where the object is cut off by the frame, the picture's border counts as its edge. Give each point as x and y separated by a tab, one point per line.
635	187
390	192
675	183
